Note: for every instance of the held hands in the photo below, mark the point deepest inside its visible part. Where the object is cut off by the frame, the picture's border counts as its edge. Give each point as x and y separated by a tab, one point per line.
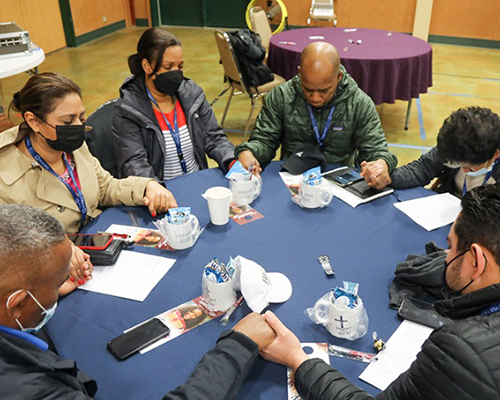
255	327
376	173
80	271
157	198
285	349
247	159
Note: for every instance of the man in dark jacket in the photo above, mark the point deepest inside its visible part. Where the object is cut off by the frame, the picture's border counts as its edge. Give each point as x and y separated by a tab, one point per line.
459	360
324	107
466	156
34	263
138	138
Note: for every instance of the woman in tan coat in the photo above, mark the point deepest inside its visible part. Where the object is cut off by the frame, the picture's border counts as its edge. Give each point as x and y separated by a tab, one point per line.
45	163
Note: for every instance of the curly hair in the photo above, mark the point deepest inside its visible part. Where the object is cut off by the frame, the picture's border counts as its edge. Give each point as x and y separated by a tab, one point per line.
469	135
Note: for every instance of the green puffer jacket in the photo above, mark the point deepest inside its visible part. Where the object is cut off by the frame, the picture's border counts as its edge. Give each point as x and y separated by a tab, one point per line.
284	119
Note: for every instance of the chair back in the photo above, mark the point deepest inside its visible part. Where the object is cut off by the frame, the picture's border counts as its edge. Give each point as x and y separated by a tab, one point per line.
100	139
228	59
260	25
322	8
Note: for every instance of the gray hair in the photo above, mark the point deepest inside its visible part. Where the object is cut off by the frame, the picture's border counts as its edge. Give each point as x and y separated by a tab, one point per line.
27	230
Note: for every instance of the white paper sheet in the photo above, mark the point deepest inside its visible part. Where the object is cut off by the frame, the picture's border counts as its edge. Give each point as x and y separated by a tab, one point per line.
133	276
290	179
432	212
401	350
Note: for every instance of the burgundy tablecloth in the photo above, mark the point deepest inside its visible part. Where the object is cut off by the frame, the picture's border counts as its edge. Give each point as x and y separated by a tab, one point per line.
386	65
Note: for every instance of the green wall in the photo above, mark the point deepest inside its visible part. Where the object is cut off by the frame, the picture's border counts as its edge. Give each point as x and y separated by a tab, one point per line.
213	13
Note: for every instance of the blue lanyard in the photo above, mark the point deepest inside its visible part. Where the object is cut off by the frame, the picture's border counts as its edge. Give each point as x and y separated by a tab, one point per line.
488	176
78	195
491	309
26	336
320	139
174	132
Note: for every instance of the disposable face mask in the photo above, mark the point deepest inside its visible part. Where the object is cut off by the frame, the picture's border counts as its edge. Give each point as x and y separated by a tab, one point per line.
168	82
69	137
481	172
46	313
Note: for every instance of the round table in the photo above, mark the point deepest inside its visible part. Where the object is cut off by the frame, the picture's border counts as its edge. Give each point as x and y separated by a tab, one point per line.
364	245
16	64
386	65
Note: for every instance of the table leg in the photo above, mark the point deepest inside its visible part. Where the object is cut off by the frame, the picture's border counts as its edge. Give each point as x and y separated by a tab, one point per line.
408	110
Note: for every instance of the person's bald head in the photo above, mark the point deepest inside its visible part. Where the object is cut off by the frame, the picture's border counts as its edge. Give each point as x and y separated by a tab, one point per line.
319	72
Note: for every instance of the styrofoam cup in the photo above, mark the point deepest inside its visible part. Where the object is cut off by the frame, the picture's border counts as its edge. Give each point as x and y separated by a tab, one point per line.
218	199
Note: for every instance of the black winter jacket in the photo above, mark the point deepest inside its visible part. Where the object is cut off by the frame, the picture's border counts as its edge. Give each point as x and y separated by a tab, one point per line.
422	171
29	373
459	361
138	139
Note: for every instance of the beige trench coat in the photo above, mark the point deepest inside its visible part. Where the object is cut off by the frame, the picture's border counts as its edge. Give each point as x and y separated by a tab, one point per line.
24	181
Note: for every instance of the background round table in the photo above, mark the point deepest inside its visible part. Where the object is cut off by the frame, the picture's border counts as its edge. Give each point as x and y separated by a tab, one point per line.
386	65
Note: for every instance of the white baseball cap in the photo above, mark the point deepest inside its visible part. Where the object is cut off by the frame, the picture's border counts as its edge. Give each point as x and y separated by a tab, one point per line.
258	287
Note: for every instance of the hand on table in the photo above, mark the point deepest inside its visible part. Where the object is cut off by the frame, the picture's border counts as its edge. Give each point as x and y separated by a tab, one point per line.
247	159
376	173
286	347
80	271
255	327
158	199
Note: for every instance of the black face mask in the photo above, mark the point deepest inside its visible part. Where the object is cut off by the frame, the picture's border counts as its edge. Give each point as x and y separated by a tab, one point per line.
168	82
69	137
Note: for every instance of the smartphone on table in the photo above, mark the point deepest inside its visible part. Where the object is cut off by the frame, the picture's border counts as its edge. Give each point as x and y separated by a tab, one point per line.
138	338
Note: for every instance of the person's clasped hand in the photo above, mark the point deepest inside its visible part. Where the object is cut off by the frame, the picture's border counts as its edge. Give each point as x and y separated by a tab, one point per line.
80	271
255	327
286	348
376	173
158	199
249	162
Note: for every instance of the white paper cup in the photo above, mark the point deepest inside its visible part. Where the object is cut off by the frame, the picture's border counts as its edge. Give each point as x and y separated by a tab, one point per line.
219	296
218	199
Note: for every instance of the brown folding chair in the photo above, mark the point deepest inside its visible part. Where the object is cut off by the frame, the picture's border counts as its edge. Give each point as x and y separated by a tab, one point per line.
260	25
233	76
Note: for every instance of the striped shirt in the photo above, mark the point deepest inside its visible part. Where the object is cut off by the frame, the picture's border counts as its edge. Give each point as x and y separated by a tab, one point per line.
172	167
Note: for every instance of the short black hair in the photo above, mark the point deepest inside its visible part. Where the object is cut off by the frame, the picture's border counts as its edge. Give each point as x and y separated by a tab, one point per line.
479	220
469	135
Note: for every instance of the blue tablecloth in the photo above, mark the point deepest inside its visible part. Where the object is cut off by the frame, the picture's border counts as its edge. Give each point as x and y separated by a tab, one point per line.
364	245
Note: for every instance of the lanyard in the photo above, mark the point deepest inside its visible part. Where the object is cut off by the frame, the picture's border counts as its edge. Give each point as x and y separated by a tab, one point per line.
491	309
174	132
320	139
26	336
488	176
78	195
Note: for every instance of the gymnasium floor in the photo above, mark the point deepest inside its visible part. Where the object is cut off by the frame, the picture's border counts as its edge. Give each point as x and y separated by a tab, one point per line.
463	76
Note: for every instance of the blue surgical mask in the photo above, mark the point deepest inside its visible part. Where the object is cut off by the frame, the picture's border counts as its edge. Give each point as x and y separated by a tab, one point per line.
481	172
46	313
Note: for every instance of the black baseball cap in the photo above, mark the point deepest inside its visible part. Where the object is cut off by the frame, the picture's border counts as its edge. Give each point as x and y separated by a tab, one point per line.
303	158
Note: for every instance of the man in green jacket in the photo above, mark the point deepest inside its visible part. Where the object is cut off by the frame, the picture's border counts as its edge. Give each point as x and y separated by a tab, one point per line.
324	107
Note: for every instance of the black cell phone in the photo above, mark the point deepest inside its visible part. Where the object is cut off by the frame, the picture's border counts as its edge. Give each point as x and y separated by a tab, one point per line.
91	242
137	338
421	312
348	178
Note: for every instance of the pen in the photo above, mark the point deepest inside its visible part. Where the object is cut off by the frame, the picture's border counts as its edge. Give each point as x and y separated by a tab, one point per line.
227	315
340	351
292	43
